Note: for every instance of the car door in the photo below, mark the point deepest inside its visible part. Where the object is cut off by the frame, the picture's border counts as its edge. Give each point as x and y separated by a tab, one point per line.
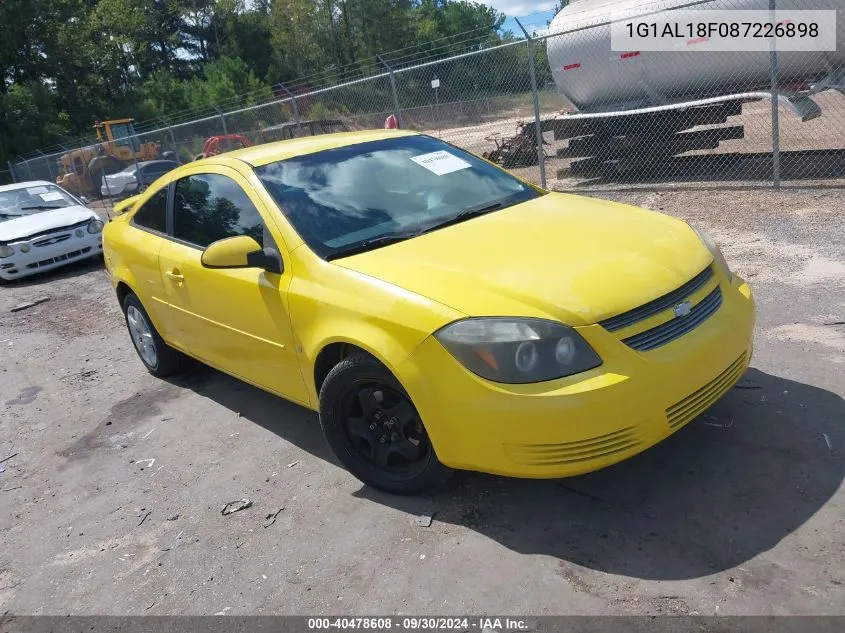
141	246
234	319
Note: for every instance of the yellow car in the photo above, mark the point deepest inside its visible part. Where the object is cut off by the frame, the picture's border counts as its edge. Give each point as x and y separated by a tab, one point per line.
438	312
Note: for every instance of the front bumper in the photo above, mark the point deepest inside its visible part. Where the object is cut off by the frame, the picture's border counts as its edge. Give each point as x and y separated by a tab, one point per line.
585	422
50	256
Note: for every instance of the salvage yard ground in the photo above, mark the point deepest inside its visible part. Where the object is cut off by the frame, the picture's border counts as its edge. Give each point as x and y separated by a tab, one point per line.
112	502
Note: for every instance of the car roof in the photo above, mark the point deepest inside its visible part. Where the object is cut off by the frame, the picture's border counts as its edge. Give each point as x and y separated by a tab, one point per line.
144	163
23	185
280	150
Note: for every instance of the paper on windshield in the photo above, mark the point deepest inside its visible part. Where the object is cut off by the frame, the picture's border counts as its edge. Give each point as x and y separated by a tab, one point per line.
34	191
441	163
51	196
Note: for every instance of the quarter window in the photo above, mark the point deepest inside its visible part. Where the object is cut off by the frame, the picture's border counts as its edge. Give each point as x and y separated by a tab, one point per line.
211	207
153	215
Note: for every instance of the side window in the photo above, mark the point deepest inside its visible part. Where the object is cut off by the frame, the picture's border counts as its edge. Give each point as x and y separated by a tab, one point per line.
153	215
211	207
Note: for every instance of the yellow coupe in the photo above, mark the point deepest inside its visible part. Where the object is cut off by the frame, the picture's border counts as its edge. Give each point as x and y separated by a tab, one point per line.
438	312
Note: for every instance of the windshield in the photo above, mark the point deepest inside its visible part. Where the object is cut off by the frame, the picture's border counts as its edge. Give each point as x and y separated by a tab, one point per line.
124	134
342	200
30	200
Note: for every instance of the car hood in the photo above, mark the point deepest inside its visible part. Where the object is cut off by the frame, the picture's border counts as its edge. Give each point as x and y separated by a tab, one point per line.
570	258
23	227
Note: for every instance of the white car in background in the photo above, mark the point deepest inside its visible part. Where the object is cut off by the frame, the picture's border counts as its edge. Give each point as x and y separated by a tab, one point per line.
135	178
42	227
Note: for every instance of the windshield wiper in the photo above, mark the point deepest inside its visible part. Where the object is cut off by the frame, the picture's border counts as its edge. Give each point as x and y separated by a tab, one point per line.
42	207
392	238
463	216
376	242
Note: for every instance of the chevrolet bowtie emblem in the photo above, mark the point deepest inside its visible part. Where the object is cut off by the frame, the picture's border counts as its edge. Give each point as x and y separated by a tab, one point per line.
683	309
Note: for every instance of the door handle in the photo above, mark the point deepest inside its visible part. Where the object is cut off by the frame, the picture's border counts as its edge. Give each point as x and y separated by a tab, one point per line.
175	275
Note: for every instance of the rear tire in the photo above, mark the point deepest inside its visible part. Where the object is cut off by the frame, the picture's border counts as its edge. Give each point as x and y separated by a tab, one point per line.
374	429
158	357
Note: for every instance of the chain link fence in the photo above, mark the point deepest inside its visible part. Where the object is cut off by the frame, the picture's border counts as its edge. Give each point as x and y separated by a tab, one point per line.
562	110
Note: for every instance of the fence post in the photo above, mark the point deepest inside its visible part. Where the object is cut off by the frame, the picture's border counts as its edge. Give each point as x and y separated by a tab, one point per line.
295	106
137	169
47	160
223	121
12	171
538	126
396	110
774	72
172	138
29	169
99	192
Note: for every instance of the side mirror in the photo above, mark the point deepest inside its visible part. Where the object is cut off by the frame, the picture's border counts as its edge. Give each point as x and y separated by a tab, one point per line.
241	251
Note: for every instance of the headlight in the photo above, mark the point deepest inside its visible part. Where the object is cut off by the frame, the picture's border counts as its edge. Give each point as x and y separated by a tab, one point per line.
6	251
517	350
95	226
714	249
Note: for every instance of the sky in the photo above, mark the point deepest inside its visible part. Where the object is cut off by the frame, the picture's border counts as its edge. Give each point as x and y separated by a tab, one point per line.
535	13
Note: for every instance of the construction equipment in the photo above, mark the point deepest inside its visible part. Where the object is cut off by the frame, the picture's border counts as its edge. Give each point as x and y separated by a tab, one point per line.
81	170
519	150
222	143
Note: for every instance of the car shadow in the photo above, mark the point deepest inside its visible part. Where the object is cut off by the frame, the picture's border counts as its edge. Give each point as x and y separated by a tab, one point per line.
68	271
720	167
729	486
291	422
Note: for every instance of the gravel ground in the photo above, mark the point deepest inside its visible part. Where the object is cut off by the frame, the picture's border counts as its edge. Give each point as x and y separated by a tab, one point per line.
112	502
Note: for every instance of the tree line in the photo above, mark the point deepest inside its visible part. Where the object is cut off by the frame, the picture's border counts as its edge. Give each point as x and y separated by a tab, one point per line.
66	63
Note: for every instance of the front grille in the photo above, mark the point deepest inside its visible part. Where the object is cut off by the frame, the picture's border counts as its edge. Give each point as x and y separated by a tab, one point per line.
60	258
658	305
52	240
573	452
676	327
694	404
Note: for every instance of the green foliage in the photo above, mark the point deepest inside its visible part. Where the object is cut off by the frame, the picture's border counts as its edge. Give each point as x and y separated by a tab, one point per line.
320	112
29	118
65	63
222	81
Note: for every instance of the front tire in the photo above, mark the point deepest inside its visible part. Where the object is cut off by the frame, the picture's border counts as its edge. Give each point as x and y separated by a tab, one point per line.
374	429
158	357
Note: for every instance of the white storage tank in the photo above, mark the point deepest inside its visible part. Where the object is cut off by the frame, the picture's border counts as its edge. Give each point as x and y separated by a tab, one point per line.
593	78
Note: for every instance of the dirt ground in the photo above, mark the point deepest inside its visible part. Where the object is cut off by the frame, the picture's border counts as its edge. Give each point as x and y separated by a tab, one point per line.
112	501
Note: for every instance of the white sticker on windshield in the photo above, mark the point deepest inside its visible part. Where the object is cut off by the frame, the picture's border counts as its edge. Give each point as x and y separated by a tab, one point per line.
34	191
441	162
51	196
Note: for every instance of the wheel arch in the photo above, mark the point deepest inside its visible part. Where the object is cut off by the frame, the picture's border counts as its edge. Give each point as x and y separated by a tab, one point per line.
329	356
124	286
122	289
331	351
